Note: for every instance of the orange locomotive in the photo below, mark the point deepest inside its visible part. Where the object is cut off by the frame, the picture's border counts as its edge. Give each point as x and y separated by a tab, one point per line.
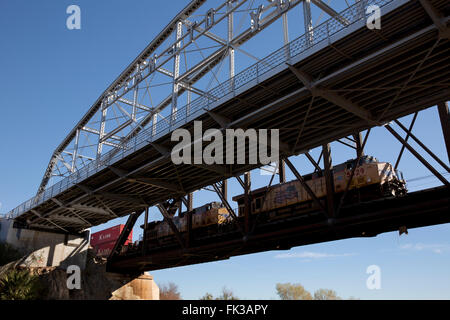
372	179
209	214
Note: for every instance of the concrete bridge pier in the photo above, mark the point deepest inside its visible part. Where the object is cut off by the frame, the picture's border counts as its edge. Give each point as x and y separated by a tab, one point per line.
46	249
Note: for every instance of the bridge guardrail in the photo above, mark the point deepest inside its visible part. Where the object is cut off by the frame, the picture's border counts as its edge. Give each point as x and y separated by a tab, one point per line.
320	33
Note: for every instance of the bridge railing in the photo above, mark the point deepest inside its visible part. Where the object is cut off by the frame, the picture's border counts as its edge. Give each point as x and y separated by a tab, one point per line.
317	35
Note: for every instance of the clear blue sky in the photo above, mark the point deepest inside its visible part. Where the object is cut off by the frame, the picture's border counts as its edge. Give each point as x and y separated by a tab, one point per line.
50	76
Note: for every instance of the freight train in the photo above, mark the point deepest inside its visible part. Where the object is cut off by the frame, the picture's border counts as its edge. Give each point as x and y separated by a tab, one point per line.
207	215
372	179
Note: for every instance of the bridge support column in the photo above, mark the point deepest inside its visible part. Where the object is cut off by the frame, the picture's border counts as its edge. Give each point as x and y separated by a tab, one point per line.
46	249
131	288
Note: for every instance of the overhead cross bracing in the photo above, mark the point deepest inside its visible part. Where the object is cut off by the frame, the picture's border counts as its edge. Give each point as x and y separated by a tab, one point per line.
336	80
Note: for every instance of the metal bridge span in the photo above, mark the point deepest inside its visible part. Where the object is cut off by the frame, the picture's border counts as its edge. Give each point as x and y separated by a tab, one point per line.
336	80
417	209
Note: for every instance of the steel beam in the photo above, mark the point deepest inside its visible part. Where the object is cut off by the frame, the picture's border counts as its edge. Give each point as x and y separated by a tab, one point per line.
314	163
38	214
329	179
247	203
424	147
144	239
418	156
330	11
123	197
123	236
157	183
168	219
307	19
444	117
282	171
304	185
358	142
437	18
340	101
228	207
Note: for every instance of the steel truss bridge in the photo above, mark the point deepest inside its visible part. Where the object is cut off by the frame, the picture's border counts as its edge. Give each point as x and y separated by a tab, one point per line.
336	80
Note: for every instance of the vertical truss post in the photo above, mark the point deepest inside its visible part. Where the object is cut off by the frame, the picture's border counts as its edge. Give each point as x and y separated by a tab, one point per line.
286	36
188	105
358	141
444	116
224	189
176	69
308	21
144	240
102	128
135	95
247	208
75	150
190	209
329	180
229	40
190	199
154	122
282	170
189	228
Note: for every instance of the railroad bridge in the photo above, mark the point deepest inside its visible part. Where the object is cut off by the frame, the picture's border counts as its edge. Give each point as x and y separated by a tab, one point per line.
333	81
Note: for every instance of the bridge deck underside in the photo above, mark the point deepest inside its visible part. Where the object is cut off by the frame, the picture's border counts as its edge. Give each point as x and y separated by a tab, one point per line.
369	219
392	72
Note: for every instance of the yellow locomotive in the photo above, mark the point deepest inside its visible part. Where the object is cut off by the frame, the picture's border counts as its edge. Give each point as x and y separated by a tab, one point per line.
372	179
209	214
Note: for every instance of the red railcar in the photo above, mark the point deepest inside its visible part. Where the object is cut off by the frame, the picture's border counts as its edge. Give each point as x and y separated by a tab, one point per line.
103	241
104	249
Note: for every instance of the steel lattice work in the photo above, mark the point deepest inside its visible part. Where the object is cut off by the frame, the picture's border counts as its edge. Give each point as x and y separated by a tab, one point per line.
333	81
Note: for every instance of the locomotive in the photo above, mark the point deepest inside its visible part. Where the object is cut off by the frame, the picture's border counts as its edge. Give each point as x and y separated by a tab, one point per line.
372	179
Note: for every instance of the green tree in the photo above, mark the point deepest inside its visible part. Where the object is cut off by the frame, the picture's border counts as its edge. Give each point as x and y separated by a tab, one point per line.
289	291
19	285
326	294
